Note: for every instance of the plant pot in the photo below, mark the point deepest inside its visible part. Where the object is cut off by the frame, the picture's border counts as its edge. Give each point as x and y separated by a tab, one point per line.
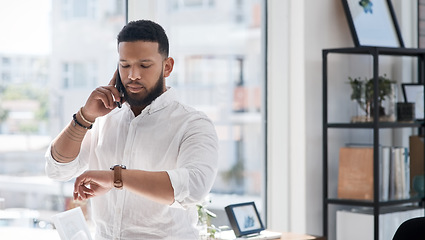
364	109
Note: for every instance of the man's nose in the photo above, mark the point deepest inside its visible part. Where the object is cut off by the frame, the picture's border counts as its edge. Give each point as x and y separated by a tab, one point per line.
134	74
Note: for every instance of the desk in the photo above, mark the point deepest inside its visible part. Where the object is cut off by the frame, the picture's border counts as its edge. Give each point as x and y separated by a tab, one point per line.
42	234
229	235
295	236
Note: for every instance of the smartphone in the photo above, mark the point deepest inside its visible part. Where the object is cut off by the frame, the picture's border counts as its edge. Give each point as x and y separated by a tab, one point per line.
120	87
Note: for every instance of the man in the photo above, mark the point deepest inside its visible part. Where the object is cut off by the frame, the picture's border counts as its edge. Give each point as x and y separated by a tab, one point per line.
163	154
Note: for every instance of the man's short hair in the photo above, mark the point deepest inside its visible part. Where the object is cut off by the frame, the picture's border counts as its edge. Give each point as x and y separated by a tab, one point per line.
147	31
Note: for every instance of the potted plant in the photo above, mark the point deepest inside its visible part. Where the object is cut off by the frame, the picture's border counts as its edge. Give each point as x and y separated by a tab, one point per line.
362	93
206	229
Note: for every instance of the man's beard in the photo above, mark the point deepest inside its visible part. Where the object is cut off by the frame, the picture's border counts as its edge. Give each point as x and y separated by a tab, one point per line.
156	91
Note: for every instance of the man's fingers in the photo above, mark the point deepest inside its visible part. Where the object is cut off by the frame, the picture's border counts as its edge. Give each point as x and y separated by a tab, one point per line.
82	192
75	196
90	184
78	191
106	95
114	79
115	94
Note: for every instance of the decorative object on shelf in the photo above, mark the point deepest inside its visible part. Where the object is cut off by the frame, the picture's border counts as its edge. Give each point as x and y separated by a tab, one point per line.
362	93
355	174
416	146
418	185
414	93
373	24
405	112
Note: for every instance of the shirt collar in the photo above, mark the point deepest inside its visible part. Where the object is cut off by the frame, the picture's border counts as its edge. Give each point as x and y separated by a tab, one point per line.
162	101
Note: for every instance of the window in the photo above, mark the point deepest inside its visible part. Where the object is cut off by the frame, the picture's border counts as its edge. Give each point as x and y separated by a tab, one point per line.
5	77
79	75
54	55
219	70
5	61
84	55
78	9
191	4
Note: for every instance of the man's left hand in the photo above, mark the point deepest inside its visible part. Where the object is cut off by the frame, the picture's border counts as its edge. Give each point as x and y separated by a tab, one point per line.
93	183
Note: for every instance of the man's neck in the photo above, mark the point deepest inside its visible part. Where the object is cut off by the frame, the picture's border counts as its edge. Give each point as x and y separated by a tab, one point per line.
137	110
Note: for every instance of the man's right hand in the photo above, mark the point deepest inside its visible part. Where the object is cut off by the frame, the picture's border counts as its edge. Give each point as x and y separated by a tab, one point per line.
66	147
101	101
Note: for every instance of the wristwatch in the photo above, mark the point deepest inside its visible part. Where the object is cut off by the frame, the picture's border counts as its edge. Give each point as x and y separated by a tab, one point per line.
117	175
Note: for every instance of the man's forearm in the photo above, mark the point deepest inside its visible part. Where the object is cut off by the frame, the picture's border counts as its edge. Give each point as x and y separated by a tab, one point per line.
154	185
67	144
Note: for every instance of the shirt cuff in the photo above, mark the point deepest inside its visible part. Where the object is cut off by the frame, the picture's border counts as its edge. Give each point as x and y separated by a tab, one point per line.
57	170
179	181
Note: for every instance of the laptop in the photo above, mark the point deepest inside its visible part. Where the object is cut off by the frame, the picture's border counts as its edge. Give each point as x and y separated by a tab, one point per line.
71	225
246	222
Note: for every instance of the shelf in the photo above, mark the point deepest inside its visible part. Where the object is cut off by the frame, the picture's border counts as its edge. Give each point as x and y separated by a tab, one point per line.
379	125
375	139
370	203
377	50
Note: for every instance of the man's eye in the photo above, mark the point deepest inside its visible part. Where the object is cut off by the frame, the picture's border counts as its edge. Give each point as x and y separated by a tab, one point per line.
145	66
125	66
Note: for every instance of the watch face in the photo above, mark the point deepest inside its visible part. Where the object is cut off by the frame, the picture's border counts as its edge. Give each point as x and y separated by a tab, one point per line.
118	184
117	176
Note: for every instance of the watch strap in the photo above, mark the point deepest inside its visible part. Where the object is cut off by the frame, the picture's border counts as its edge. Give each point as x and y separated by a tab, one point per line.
118	183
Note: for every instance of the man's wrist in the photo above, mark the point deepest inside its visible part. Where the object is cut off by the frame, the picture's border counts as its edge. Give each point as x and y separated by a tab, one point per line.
117	179
87	119
79	121
112	178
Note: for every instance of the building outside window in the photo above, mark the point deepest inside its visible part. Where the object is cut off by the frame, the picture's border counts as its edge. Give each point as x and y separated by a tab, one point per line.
219	70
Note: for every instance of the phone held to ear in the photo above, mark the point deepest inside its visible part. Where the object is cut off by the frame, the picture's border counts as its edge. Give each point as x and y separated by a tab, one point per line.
120	87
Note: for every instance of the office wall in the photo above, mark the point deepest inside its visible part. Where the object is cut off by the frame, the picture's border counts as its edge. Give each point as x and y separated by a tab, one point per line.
297	32
277	121
325	27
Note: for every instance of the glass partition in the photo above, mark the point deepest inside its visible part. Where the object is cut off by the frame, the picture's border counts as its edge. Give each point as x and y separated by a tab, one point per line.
54	53
219	69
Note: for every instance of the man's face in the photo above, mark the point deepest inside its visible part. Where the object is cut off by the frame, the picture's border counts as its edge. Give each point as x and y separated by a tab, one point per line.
142	70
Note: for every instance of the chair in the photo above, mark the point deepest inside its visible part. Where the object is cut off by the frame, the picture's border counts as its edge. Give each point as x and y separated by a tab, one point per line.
411	229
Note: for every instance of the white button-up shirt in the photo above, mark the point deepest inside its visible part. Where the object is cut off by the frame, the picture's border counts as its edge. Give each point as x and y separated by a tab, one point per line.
168	136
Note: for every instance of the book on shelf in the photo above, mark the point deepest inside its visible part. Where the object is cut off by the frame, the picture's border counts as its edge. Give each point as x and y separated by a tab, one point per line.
385	172
359	223
355	174
395	183
416	145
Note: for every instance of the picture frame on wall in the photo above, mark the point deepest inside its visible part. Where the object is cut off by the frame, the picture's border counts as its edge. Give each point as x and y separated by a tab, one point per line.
373	23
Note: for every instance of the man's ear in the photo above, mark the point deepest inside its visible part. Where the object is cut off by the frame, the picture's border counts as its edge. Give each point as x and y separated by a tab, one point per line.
168	66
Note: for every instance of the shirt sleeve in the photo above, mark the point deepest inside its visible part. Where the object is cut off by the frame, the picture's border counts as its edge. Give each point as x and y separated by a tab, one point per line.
196	164
66	171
